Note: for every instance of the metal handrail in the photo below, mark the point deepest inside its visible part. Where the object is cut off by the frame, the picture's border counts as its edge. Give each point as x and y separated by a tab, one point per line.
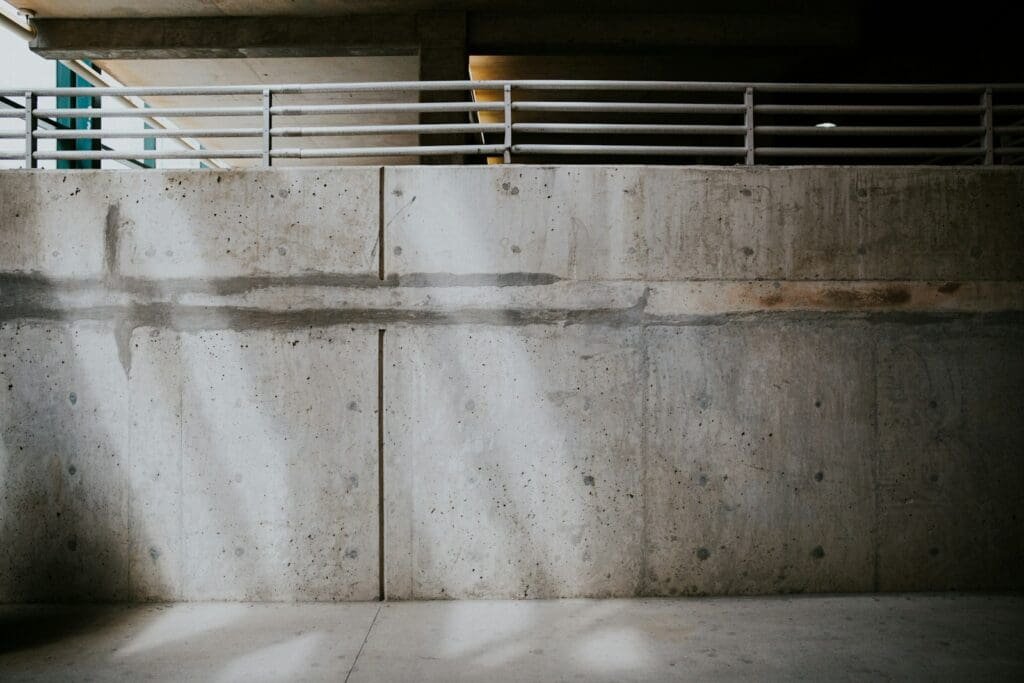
942	123
55	129
439	86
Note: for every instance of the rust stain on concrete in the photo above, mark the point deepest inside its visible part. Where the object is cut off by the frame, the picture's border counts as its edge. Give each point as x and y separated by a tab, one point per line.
830	296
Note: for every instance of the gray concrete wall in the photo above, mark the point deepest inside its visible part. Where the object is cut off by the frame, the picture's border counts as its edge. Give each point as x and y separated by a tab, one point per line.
595	381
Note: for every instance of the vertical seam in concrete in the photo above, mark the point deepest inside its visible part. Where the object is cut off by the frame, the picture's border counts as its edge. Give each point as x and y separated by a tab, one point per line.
645	377
381	595
181	480
876	447
380	225
129	495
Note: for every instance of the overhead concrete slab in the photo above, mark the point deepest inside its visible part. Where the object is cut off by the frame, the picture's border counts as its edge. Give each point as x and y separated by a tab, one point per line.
198	8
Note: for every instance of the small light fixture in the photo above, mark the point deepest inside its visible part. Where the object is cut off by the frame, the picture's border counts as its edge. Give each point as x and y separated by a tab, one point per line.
825	124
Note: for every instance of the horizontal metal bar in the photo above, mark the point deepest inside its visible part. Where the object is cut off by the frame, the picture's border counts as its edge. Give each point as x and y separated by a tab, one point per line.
1008	109
427	150
93	134
412	107
151	133
1010	130
870	130
740	87
612	150
638	128
150	154
281	89
295	153
868	151
388	129
419	86
286	110
96	112
12	135
663	86
887	88
519	149
322	131
637	107
887	109
10	156
12	113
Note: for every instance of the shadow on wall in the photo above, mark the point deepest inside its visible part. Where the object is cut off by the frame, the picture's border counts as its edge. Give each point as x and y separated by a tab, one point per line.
109	420
66	527
65	522
65	511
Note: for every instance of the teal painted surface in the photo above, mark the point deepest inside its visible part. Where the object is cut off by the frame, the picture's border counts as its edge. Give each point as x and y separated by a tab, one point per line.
66	78
149	144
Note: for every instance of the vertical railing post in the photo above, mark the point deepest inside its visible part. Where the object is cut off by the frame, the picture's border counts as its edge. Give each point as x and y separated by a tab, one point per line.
268	102
748	122
31	101
986	121
508	123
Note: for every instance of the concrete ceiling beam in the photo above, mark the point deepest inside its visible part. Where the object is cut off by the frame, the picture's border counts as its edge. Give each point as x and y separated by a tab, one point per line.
403	34
227	37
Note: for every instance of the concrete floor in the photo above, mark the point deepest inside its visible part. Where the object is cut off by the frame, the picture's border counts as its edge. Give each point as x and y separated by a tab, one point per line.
911	637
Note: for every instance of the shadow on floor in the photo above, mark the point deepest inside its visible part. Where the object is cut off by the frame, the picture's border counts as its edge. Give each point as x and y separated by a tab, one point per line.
39	625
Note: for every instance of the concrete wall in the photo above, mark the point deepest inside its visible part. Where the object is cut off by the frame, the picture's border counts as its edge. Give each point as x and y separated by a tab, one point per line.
595	382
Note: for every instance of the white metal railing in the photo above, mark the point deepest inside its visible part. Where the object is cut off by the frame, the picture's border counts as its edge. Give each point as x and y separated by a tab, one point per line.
743	123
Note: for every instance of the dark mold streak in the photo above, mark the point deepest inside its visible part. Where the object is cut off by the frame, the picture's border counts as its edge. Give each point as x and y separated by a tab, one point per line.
198	318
